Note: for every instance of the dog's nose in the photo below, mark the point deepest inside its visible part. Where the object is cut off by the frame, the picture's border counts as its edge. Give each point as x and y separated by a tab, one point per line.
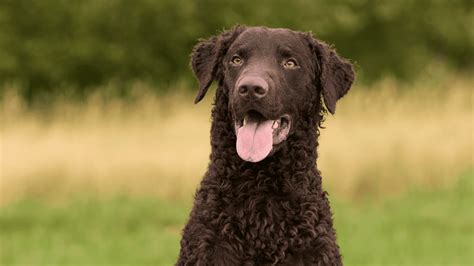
255	87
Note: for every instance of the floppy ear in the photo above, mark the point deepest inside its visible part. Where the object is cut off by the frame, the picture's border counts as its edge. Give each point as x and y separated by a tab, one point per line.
336	74
207	56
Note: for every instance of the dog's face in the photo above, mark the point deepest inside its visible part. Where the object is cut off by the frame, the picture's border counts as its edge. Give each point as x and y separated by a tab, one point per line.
271	75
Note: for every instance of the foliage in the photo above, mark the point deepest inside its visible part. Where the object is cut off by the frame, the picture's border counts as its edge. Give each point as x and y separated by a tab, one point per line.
49	45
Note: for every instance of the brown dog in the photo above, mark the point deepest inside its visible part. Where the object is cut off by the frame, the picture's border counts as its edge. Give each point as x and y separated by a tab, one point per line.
261	201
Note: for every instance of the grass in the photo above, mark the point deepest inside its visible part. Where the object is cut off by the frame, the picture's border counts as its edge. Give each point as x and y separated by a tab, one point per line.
120	231
382	140
416	228
394	159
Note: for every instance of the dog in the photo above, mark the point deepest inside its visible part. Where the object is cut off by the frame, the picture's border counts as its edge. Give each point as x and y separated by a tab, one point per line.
261	200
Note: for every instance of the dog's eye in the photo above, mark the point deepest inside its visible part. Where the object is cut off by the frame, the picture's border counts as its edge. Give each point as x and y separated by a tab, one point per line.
236	60
290	64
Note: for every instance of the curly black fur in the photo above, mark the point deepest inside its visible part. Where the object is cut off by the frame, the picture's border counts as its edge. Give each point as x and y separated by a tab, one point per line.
274	212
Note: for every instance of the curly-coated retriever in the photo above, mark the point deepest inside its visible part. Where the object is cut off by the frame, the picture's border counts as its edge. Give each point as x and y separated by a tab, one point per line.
261	201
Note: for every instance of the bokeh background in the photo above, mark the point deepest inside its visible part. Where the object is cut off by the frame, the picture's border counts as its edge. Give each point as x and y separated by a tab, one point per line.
102	147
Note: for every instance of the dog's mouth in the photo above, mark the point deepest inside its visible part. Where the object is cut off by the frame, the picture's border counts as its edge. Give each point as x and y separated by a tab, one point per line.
257	135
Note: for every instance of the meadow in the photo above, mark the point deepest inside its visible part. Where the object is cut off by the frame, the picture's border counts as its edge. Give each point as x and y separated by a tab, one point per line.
109	181
421	228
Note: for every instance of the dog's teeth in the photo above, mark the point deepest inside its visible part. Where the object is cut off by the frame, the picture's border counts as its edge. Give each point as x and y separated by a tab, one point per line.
245	121
276	124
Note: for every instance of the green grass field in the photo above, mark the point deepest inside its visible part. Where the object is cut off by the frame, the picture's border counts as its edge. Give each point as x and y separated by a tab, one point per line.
110	181
415	228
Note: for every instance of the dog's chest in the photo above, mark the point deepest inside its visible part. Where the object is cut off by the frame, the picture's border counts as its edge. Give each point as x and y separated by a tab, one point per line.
268	226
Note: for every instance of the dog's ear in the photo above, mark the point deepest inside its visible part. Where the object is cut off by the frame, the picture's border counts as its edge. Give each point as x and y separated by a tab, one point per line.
335	75
207	56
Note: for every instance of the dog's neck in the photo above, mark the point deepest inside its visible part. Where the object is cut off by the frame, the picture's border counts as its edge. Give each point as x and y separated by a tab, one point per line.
293	160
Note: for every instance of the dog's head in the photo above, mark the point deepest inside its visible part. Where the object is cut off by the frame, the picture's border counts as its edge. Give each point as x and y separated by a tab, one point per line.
274	76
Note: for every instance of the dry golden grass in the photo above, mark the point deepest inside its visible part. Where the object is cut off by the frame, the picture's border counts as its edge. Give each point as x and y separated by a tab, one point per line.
386	141
381	140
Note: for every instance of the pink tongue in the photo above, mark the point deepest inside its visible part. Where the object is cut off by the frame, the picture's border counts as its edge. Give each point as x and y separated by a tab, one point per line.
255	140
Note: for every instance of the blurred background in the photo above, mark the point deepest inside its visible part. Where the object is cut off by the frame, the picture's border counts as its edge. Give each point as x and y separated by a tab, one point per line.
102	147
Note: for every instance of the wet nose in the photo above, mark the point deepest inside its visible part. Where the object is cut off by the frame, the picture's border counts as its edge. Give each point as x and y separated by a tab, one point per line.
253	87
